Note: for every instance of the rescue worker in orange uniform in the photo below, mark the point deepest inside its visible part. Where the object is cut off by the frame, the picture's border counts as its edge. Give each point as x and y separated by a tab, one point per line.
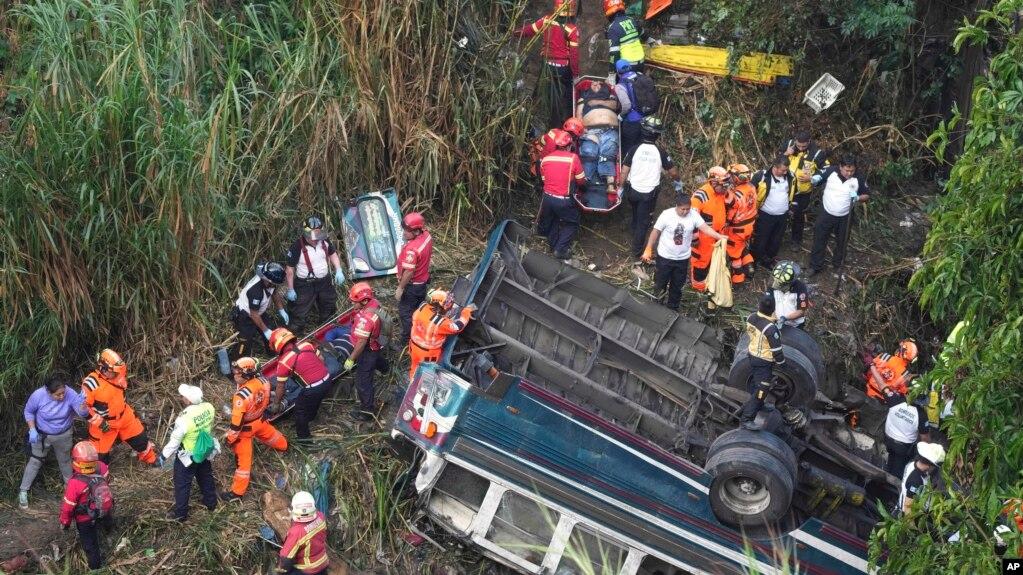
110	417
890	371
248	420
431	327
741	215
711	201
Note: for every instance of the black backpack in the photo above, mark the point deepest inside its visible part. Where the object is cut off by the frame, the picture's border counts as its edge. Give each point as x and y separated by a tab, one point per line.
645	101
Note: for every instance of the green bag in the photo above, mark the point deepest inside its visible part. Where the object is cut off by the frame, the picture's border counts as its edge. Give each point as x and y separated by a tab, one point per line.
203	446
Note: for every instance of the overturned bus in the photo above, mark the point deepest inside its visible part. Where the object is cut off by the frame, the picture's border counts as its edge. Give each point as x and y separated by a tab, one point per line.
573	428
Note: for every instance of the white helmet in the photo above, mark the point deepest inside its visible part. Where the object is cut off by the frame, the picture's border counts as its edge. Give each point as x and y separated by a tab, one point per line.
934	453
303	507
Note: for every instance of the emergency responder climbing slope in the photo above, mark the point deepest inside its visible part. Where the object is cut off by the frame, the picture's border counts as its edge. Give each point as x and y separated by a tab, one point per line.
248	421
111	419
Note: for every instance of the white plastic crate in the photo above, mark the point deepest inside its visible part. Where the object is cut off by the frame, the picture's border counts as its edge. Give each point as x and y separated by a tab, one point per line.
823	93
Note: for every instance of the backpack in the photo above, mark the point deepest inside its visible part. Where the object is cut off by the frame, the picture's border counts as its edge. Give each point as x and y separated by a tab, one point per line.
203	446
645	99
100	502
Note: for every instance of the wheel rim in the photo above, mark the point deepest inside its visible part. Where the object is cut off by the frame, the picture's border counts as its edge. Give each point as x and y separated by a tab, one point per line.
783	390
745	495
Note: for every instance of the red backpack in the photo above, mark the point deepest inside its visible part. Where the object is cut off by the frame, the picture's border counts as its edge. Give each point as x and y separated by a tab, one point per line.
100	501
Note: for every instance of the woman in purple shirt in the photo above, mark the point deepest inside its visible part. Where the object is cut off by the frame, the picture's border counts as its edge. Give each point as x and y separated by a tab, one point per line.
49	413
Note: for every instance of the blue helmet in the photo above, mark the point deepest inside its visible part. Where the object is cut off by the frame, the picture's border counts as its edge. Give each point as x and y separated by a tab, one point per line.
623	66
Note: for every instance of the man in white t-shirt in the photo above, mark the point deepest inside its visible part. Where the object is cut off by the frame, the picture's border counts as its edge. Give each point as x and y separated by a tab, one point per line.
673	237
641	172
843	188
775	187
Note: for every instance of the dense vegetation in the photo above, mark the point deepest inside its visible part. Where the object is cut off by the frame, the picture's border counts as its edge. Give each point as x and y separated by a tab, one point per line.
152	150
974	261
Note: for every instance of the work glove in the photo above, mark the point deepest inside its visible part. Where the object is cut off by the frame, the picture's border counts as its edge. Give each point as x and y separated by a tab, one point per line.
781	320
472	310
266	333
339	276
273	408
284	316
678	187
104	426
161	461
291	295
398	293
33	435
349	364
648	255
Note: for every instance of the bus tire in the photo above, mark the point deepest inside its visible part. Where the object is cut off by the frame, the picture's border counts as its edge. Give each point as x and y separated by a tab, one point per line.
797	374
762	440
751	487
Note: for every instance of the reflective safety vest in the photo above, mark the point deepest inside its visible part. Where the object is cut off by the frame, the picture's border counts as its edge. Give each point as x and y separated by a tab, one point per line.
429	329
807	162
199	418
105	400
711	206
627	35
250	402
742	210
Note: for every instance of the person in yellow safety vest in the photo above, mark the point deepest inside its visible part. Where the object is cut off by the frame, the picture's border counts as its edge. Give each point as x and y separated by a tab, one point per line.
431	327
623	36
805	158
192	446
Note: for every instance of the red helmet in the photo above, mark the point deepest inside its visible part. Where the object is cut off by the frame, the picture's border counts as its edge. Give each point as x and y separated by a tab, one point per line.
361	291
562	139
564	7
574	126
279	337
413	221
84	457
613	7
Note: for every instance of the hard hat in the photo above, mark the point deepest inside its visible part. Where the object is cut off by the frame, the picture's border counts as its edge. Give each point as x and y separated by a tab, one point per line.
613	7
313	229
272	272
564	7
740	171
413	221
908	350
303	507
84	457
248	366
784	272
717	174
933	453
361	291
651	127
622	66
440	297
192	393
279	337
574	126
109	359
562	139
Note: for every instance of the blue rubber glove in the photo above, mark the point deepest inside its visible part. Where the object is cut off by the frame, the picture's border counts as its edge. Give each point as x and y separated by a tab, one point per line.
291	295
339	276
816	179
678	187
349	364
266	334
284	316
161	461
853	195
33	435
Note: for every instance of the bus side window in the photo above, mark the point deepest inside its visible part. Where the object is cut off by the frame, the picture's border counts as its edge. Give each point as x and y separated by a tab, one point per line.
523	527
587	552
653	566
457	496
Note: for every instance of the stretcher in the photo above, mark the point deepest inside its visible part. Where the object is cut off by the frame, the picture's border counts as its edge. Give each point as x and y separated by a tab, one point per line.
614	197
756	68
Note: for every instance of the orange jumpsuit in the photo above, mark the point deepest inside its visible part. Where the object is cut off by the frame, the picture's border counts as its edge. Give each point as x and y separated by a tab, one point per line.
247	421
893	369
741	215
105	400
429	330
712	206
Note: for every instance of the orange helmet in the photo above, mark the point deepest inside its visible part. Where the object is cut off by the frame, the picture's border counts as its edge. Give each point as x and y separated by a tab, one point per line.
562	139
84	457
441	298
908	350
413	221
279	337
717	175
110	360
574	126
740	172
613	7
248	366
361	291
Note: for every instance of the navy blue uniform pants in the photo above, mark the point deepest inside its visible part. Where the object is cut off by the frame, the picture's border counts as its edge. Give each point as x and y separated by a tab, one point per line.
759	386
309	293
559	94
408	304
307	405
559	221
642	216
183	477
368	362
827	225
88	534
800	203
768	233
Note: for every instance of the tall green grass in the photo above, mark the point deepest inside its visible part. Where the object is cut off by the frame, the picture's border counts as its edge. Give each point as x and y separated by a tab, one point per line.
158	148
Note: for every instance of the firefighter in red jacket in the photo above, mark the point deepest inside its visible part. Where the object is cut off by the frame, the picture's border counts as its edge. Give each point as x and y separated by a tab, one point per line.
301	360
711	201
741	215
431	327
110	417
87	487
248	420
305	546
561	56
562	173
366	357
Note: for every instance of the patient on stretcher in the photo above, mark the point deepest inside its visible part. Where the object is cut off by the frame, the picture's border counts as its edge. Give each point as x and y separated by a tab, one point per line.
598	148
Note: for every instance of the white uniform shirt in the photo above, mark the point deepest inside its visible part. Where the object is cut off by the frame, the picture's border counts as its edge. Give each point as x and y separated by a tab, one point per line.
676	240
903	423
837	191
319	257
777	201
254	297
646	162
